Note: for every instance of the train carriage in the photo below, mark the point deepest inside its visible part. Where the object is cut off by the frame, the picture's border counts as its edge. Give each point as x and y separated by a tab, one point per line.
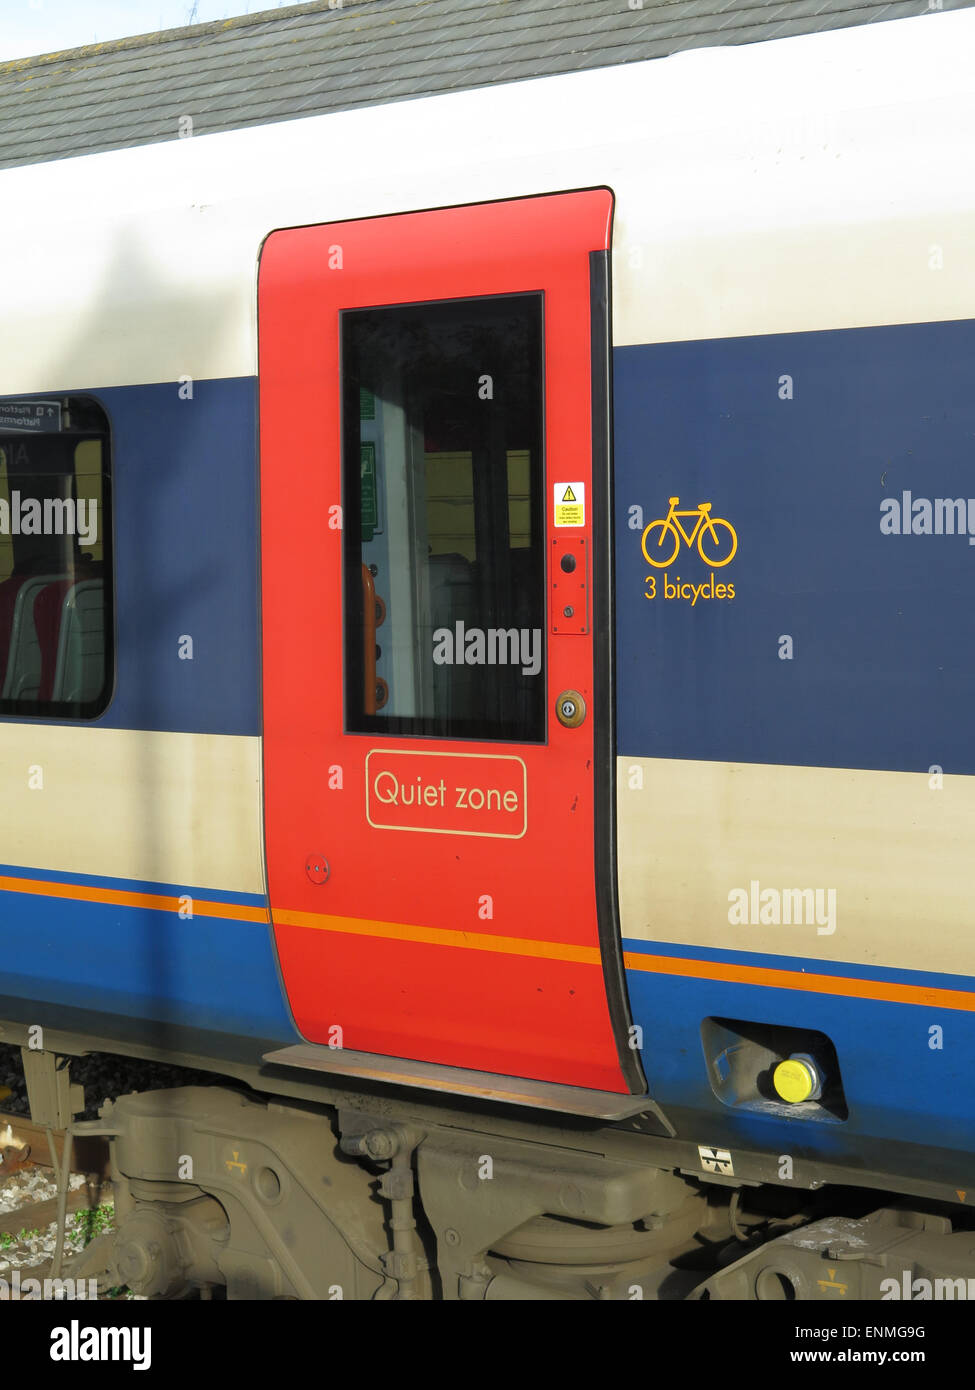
484	612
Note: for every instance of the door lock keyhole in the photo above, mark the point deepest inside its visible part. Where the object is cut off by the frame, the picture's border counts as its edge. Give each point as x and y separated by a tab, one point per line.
570	709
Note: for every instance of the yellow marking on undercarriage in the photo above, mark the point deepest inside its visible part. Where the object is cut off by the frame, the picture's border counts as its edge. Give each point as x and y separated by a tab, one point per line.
832	1283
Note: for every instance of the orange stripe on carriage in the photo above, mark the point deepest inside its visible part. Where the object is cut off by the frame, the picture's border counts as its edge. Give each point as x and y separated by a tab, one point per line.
117	897
884	990
441	936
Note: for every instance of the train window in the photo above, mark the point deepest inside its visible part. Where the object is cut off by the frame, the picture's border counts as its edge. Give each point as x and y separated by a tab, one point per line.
444	546
56	642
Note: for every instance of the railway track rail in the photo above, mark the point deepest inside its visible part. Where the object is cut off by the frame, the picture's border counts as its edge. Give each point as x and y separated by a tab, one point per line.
23	1142
25	1146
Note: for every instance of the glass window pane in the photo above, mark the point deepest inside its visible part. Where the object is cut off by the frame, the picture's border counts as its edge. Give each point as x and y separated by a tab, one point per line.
444	548
55	584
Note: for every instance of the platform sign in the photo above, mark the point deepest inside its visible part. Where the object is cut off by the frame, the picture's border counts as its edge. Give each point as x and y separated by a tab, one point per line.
30	417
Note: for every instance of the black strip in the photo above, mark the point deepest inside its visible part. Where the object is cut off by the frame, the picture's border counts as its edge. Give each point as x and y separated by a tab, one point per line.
604	660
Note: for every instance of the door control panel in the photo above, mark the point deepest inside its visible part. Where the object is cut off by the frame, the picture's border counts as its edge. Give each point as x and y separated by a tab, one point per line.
570	585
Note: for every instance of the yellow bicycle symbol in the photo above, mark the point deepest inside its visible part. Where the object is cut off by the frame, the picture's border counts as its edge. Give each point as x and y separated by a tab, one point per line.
706	525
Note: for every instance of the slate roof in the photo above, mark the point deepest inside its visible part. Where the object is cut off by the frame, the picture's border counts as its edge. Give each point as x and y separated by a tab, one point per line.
310	59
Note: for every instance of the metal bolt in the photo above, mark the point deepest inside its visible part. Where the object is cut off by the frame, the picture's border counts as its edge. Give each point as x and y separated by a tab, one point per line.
316	868
380	1144
451	1237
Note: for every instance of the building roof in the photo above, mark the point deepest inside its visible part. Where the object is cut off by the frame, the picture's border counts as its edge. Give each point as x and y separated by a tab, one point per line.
311	59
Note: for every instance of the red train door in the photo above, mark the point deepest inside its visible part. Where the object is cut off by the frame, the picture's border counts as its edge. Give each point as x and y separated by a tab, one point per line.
427	571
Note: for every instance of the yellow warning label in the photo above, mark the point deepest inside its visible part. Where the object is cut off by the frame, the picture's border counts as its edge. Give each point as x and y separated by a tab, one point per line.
570	504
832	1283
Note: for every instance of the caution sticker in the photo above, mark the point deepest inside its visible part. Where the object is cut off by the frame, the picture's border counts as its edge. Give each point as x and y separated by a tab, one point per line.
570	504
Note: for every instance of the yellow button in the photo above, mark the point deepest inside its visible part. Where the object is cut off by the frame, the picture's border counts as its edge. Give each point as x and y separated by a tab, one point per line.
794	1081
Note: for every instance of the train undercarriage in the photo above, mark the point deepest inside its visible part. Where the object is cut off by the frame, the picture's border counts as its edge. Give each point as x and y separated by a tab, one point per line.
264	1187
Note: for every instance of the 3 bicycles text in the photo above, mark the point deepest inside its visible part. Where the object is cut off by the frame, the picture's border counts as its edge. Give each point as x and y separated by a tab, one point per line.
687	591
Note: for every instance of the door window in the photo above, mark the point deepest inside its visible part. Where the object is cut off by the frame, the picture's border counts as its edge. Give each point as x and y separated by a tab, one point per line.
443	519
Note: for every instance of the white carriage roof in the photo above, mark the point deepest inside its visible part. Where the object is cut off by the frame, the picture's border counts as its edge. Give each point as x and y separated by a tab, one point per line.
312	59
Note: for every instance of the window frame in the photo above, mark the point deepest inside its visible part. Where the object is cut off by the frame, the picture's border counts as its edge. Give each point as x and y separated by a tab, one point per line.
89	712
419	727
